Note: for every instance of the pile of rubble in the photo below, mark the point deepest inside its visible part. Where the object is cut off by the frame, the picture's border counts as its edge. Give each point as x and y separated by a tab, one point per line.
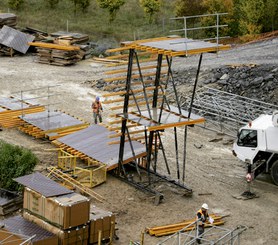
259	82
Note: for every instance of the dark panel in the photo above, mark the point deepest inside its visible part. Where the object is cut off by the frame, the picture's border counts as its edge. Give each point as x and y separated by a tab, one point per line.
12	104
42	184
15	39
19	225
51	120
93	142
179	44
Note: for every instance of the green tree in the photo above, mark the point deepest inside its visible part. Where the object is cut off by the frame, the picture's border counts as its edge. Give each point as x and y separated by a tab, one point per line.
52	3
221	6
83	4
150	8
113	6
189	7
15	4
15	161
252	15
270	22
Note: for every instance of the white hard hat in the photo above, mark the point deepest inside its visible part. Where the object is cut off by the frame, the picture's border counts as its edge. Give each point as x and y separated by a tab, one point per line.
205	206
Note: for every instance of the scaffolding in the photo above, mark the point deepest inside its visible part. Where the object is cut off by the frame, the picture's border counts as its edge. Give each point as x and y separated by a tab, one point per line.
225	112
213	235
146	112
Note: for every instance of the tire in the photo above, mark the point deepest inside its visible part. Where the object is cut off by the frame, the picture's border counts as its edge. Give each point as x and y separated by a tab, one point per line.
274	172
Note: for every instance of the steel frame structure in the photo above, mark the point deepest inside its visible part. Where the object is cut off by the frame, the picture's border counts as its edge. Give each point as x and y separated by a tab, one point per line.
153	113
226	112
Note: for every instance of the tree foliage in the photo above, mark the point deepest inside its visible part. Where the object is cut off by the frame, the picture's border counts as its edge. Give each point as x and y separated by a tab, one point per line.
150	8
270	20
52	3
15	161
189	7
15	4
113	6
252	16
83	4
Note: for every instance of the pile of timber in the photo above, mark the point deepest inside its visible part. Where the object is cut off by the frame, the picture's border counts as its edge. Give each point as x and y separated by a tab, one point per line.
7	19
173	228
69	38
9	202
6	51
57	54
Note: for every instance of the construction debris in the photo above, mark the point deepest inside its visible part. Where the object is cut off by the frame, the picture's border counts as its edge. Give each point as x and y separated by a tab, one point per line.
9	201
173	228
7	19
15	39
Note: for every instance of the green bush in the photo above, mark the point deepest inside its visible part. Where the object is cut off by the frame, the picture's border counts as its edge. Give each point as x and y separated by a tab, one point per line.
15	161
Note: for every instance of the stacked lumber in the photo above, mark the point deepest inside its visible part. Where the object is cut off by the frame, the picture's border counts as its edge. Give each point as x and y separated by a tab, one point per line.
173	228
7	19
57	54
69	38
57	57
6	51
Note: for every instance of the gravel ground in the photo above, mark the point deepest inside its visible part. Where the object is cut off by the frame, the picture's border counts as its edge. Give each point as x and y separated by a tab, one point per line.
211	169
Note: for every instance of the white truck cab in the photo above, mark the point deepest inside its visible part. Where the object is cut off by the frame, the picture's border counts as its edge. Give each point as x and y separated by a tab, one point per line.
257	145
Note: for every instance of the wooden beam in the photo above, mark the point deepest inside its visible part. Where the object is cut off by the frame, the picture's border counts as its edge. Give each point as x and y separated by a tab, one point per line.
134	76
54	46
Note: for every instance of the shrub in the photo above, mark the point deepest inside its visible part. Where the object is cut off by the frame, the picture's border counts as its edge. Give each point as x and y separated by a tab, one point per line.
15	161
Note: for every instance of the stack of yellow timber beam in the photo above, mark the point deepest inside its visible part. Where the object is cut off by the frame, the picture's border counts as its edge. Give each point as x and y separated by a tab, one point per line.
150	45
50	134
10	118
72	151
56	54
173	228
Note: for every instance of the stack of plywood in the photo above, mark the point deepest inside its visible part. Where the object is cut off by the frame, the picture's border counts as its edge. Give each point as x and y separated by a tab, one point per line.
57	54
7	19
69	38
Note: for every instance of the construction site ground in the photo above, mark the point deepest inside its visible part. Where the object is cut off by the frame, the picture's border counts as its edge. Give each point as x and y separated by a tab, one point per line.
213	173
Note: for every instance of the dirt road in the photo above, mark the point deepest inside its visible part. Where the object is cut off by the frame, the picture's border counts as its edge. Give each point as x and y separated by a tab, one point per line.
211	171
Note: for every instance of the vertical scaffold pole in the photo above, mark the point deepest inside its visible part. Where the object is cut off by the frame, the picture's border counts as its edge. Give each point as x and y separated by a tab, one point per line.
125	110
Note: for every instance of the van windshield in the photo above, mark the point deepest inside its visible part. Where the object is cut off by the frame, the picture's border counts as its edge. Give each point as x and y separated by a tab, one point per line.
247	138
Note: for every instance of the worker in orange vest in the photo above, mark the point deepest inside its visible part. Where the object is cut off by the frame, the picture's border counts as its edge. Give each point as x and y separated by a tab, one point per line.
202	217
97	108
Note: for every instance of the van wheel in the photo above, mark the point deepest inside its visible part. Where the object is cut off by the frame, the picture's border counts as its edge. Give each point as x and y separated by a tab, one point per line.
274	172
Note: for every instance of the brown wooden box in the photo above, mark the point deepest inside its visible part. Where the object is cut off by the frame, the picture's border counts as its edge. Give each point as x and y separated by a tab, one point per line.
76	235
64	211
101	220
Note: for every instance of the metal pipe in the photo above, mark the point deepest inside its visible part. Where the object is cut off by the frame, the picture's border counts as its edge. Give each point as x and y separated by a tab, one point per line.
125	110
